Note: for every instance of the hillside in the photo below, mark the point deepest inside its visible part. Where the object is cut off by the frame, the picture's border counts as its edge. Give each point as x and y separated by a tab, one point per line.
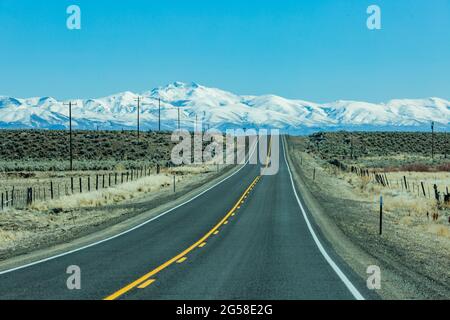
222	110
29	150
383	149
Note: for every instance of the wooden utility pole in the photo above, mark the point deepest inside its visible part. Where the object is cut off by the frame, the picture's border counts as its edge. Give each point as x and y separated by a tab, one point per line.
432	140
138	114
351	147
70	104
381	215
203	119
159	114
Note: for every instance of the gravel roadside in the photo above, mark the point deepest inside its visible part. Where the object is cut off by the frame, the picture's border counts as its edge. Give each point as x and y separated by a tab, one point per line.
412	267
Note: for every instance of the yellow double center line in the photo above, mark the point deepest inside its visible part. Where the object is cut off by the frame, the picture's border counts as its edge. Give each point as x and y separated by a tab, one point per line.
145	277
145	280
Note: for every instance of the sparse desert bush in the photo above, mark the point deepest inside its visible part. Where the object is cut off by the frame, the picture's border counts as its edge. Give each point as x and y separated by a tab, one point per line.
416	233
48	150
383	149
408	204
364	182
111	195
438	229
443	167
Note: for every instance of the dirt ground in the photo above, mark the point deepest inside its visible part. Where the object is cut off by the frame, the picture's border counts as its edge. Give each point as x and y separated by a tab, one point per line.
413	252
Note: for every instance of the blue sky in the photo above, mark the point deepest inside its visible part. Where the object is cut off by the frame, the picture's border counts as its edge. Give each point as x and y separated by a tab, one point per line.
313	50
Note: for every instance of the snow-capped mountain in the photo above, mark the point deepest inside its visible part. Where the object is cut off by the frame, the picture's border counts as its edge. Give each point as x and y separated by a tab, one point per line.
219	109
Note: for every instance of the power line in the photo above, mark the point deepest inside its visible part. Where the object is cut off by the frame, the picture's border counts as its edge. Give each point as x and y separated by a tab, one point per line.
179	109
138	114
70	104
432	140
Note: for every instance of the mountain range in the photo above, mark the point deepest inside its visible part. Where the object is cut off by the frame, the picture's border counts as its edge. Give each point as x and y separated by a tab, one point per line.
220	109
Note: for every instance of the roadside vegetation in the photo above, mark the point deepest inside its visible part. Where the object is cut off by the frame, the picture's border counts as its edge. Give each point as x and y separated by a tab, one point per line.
48	150
392	151
115	177
415	243
414	170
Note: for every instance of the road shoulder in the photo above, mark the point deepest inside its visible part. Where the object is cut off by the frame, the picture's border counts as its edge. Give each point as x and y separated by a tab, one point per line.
352	254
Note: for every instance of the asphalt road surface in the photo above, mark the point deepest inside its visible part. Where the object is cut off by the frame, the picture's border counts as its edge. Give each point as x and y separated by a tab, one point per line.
246	238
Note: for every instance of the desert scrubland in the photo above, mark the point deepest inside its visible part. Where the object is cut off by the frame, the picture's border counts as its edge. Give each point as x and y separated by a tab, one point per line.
414	248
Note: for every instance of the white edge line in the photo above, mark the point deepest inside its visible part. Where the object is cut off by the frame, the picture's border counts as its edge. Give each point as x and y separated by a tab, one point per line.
342	276
133	228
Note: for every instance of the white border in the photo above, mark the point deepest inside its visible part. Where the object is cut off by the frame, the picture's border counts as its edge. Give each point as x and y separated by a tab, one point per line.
334	266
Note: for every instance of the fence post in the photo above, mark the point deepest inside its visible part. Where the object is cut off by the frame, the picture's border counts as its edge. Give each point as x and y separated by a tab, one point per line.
51	190
174	184
436	193
387	181
30	196
89	183
381	215
81	185
71	184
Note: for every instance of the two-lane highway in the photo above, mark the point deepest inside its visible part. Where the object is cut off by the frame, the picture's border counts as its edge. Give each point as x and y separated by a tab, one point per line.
246	238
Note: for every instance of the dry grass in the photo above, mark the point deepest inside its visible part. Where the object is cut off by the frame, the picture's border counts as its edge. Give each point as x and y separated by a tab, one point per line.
122	192
116	194
414	249
47	150
65	218
408	208
403	207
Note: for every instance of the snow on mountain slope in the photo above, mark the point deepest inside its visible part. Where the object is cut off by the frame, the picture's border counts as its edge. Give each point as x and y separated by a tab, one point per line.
220	109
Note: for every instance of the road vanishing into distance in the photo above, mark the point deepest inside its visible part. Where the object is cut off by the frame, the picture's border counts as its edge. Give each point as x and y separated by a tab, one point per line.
245	238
